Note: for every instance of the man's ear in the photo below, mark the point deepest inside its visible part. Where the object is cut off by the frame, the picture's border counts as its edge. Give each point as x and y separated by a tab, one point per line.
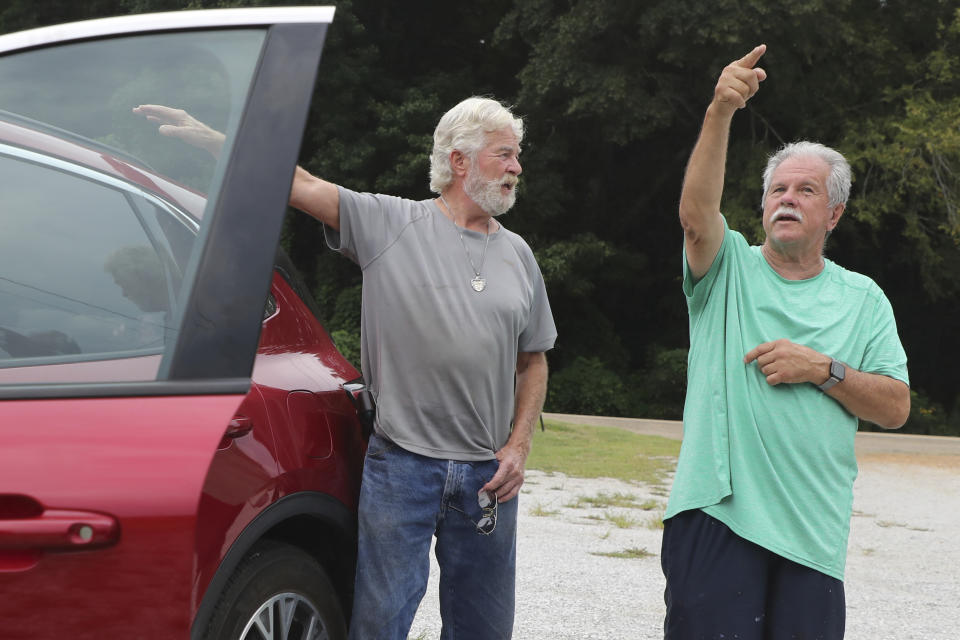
459	163
835	214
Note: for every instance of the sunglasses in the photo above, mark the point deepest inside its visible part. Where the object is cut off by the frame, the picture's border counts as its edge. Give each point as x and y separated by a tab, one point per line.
488	509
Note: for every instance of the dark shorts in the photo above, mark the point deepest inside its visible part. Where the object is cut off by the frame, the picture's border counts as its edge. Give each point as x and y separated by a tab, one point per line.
722	586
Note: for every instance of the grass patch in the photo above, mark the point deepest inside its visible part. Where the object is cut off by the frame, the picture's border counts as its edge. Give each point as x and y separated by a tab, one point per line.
621	521
657	522
585	451
542	512
602	500
632	552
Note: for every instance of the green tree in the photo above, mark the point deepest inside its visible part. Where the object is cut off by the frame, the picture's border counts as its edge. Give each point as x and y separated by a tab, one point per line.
613	93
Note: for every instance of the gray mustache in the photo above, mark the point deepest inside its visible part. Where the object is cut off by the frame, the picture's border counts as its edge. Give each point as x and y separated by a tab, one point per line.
786	211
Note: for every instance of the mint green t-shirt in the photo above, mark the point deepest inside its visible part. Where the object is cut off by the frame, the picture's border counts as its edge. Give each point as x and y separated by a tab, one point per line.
776	464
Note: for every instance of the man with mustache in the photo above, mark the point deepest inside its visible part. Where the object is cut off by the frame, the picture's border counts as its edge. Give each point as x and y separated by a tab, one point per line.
787	351
454	308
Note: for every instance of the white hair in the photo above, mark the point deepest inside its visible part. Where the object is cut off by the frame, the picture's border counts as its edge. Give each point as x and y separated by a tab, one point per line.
838	180
464	128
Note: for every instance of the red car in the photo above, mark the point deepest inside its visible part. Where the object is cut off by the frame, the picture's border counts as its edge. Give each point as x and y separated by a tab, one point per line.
180	440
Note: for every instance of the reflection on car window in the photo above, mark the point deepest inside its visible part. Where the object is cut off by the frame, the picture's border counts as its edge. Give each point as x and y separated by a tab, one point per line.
79	273
88	90
101	213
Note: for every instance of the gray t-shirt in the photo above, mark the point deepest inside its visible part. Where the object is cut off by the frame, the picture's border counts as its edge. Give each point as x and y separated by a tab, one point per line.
440	357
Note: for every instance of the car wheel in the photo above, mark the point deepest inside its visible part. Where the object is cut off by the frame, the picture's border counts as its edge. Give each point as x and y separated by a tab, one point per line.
278	592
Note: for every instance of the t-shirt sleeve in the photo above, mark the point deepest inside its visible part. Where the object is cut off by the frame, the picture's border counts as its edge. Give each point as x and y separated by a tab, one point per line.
540	334
368	224
884	353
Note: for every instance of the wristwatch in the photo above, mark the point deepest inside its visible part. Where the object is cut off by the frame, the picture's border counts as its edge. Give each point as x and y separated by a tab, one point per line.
838	371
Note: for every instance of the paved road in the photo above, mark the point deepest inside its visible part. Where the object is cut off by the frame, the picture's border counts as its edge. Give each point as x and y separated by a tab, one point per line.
868	443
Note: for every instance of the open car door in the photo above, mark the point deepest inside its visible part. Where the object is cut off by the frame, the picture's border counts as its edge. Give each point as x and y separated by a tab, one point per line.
134	269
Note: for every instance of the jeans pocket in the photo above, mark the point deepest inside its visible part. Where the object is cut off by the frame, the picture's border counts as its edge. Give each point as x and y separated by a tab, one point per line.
484	471
378	447
480	510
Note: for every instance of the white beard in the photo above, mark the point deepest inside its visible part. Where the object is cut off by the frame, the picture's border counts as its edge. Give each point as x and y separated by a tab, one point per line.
486	194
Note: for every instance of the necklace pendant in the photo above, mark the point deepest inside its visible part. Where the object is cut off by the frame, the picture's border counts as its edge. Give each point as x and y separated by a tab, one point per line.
478	283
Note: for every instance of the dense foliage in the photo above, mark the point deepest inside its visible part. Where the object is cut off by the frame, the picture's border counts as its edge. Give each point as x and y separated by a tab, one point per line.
613	93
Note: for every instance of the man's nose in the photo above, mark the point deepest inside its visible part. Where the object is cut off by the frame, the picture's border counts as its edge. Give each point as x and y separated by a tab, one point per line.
514	167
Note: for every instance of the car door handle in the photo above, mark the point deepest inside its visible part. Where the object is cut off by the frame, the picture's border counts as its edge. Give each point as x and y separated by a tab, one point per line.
59	529
239	426
363	402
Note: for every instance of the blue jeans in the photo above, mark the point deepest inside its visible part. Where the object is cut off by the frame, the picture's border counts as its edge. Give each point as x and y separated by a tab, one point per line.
405	500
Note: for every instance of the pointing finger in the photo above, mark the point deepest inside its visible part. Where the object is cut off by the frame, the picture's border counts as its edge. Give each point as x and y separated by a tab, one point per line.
757	351
750	60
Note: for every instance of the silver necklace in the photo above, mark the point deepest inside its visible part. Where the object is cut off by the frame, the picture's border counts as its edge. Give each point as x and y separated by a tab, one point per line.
478	282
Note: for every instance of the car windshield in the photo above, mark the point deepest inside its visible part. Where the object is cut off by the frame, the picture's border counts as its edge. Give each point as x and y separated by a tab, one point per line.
102	207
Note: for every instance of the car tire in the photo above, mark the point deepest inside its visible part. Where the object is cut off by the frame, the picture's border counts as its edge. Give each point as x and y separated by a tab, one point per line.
278	592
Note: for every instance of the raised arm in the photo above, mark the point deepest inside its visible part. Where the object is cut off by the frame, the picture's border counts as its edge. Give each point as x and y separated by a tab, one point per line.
703	182
308	193
317	197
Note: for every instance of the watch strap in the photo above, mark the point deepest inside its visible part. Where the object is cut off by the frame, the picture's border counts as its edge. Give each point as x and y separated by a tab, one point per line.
837	373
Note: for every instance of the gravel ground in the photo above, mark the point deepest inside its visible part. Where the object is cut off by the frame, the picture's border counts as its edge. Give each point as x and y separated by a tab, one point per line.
903	565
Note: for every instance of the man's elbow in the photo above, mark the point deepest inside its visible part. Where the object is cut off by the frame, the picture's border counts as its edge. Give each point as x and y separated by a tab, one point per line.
899	413
901	417
691	221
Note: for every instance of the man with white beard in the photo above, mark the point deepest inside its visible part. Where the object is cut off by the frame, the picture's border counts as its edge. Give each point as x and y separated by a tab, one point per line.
455	323
787	351
454	311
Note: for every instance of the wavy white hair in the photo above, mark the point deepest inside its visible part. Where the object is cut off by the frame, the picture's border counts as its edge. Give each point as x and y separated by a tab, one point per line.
838	180
464	128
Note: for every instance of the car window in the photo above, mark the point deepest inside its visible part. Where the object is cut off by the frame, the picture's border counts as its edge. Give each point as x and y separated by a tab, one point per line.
101	211
285	267
85	92
270	307
81	277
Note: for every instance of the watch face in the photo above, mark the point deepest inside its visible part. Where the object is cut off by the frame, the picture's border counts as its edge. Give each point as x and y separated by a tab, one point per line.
837	370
